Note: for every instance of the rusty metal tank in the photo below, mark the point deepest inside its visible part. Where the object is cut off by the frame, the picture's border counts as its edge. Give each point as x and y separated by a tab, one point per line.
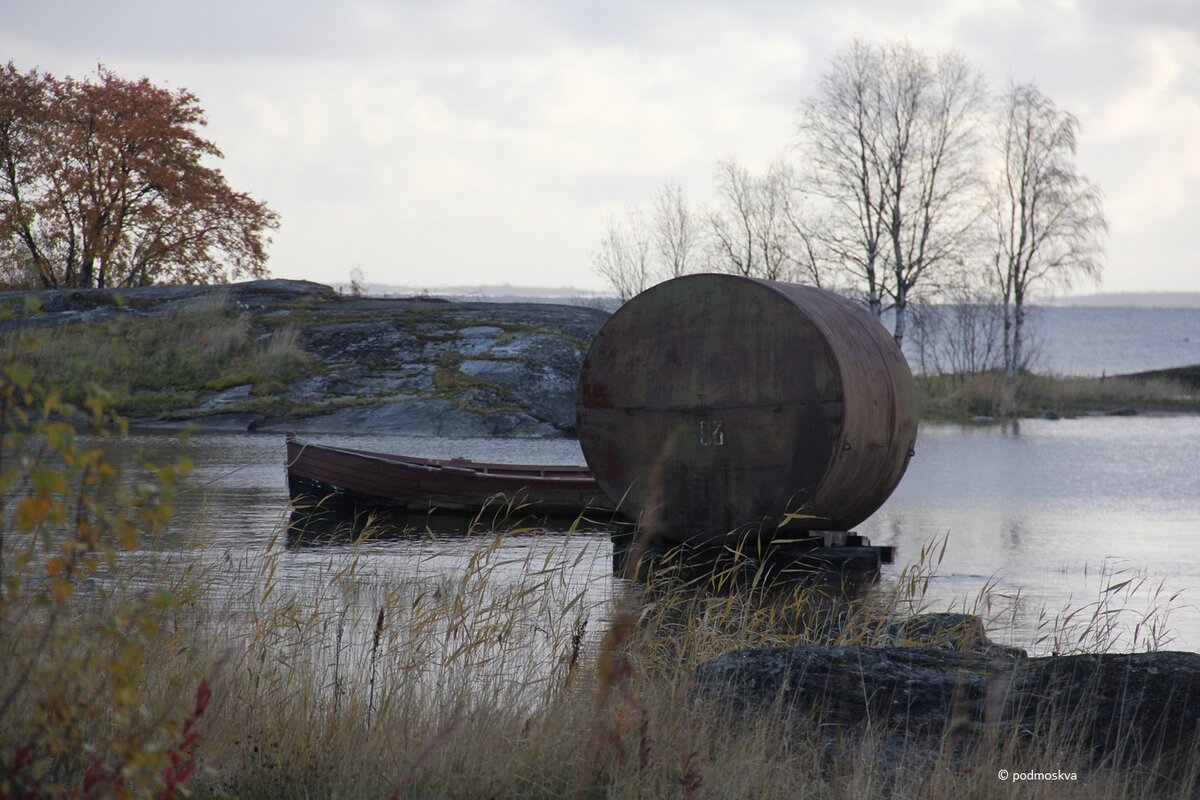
709	404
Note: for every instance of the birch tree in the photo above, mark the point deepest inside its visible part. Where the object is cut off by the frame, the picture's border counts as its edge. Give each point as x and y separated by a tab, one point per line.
677	232
623	257
1047	218
841	136
891	136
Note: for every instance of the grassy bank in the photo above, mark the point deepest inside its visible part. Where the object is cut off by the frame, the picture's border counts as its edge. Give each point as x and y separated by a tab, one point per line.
963	397
149	364
275	350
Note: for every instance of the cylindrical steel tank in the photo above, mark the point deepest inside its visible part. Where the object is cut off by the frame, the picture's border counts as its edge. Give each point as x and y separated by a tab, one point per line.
712	402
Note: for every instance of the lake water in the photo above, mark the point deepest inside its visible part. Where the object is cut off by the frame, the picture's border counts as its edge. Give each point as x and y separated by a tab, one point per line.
1089	340
1051	512
1093	340
1059	510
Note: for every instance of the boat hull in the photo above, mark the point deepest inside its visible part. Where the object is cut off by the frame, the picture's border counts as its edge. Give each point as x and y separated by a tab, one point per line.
335	476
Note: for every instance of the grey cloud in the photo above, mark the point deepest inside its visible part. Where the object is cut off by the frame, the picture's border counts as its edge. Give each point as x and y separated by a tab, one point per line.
215	28
555	99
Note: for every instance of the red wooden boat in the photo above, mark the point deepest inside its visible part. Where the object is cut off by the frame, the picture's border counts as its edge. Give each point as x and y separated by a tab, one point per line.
321	474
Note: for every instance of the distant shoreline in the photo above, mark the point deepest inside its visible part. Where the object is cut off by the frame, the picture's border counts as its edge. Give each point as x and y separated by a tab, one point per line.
1130	300
570	295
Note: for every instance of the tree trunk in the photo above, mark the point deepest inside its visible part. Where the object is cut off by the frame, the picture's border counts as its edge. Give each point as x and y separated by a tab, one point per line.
1008	325
46	275
1018	324
874	301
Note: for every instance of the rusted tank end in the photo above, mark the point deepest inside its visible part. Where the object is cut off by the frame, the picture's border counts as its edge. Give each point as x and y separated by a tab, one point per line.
711	404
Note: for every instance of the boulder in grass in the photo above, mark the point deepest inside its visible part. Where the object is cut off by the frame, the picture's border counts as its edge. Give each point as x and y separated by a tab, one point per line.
1116	709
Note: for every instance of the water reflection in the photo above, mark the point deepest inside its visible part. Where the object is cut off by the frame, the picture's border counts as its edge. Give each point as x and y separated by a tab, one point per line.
1012	535
1052	510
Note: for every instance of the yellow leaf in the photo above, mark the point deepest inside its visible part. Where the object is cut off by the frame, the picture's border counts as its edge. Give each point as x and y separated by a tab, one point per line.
88	532
52	403
49	480
61	589
55	566
31	513
127	535
20	374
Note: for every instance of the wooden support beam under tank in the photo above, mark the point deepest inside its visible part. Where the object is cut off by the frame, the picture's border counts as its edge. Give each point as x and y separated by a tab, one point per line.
839	557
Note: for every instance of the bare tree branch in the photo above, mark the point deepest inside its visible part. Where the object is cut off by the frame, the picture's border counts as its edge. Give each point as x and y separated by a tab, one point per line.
623	258
1047	219
676	232
754	230
891	137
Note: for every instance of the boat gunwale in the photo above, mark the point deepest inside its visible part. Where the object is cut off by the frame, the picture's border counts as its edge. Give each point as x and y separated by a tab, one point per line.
541	473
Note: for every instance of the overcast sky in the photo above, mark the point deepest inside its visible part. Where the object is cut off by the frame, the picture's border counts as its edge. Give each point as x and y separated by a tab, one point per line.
453	143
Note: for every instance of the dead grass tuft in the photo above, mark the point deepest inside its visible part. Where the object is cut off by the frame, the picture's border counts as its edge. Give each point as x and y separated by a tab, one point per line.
993	395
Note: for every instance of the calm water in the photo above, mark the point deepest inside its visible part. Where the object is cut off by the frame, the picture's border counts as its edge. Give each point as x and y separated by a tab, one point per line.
1059	510
1051	511
1092	340
1083	340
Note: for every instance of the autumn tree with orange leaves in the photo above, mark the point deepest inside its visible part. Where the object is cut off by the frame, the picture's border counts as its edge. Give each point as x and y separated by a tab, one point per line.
106	182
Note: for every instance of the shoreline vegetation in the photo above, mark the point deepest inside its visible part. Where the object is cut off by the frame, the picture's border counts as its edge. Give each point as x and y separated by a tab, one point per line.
187	674
130	668
988	396
276	355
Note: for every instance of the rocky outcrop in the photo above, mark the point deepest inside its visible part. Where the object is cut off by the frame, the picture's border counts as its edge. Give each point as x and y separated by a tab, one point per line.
1141	708
70	306
414	365
450	369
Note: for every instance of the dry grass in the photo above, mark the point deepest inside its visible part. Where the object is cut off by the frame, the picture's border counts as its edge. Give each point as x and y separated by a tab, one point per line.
520	677
993	395
150	364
